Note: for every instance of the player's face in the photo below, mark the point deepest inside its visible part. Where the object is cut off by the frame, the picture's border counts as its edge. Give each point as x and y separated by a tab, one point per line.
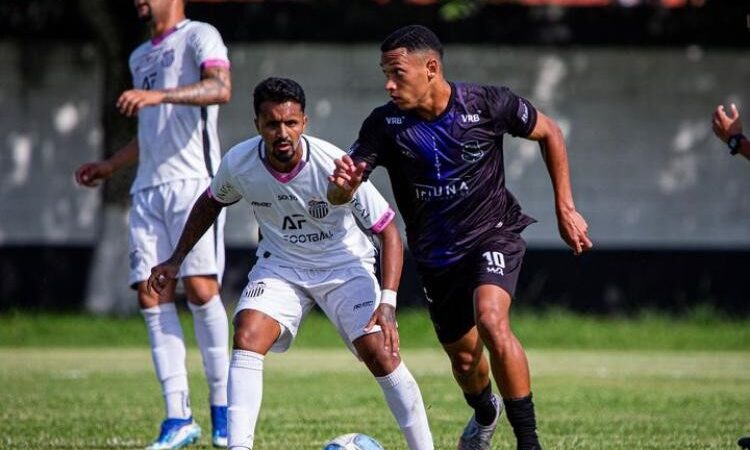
406	75
281	125
148	9
143	9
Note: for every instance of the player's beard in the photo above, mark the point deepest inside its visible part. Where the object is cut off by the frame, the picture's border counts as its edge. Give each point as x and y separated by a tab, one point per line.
284	157
147	17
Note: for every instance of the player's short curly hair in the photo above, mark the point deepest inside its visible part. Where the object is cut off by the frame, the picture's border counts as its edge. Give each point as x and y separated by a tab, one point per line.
413	38
278	90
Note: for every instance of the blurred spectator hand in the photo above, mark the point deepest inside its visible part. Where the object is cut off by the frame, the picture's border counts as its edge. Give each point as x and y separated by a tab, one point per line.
725	125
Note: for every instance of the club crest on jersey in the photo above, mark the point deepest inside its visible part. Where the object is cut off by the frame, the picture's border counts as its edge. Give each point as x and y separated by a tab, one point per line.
167	58
472	151
254	290
317	208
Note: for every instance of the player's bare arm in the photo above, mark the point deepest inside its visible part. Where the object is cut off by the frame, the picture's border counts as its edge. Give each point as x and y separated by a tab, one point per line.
202	216
391	263
92	173
571	224
215	87
345	180
728	125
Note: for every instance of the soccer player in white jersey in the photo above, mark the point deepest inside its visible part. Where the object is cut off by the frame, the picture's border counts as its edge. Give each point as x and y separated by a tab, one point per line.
180	76
310	253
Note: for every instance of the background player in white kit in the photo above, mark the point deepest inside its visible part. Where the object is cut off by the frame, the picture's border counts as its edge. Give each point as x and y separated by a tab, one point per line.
180	76
310	252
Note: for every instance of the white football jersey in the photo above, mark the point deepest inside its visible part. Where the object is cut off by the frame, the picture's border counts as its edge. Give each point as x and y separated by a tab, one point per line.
298	226
177	141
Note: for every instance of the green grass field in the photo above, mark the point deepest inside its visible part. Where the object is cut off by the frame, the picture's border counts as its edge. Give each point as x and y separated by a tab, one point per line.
653	383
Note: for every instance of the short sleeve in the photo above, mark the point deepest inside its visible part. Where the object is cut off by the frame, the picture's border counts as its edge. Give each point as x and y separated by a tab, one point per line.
370	209
369	144
223	188
208	47
513	114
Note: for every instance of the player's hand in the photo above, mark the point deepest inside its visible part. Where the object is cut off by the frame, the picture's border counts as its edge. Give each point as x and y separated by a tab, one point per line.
347	177
162	276
385	316
131	101
574	231
725	125
91	174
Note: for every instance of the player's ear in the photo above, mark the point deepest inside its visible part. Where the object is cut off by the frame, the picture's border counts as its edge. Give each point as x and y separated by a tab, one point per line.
257	126
304	122
433	67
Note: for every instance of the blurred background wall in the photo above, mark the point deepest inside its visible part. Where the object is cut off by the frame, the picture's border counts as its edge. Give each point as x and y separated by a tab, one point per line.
633	88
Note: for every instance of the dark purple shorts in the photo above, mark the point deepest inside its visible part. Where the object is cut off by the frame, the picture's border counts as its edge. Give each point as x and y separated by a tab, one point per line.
450	290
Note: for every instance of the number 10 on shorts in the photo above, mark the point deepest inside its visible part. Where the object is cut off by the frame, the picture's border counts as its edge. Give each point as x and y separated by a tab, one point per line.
495	262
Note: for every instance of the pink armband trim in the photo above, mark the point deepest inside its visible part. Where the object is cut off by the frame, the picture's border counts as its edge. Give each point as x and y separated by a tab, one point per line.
383	222
207	64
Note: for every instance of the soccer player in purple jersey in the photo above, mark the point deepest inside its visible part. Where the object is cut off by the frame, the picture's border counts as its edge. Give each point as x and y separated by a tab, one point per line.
441	143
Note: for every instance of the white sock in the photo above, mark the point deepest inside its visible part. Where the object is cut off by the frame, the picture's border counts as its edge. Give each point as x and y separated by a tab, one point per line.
212	333
168	353
405	400
245	395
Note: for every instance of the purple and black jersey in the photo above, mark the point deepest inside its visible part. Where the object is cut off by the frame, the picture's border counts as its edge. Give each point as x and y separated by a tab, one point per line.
447	174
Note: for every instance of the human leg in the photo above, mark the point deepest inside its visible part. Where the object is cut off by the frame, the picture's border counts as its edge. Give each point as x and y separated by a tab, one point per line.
510	366
212	334
470	303
471	371
267	318
168	354
255	333
148	245
201	273
400	390
347	303
449	294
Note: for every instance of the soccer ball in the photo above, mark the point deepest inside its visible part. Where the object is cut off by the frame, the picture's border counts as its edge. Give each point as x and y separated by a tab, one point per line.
353	441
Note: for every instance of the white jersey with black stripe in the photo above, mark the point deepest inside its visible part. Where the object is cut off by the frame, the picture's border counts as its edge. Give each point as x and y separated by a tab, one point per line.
298	226
177	141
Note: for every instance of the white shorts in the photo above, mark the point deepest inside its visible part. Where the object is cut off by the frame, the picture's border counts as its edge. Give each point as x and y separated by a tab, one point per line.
348	296
157	218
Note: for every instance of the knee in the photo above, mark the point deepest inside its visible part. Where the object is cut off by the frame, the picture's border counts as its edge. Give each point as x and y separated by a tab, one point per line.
379	361
200	289
465	362
248	335
147	298
245	338
494	328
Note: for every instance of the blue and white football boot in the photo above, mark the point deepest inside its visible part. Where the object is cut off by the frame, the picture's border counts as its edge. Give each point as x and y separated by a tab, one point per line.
219	426
479	437
176	433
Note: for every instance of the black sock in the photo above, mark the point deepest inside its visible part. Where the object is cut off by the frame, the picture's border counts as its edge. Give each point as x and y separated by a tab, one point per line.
520	412
485	409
